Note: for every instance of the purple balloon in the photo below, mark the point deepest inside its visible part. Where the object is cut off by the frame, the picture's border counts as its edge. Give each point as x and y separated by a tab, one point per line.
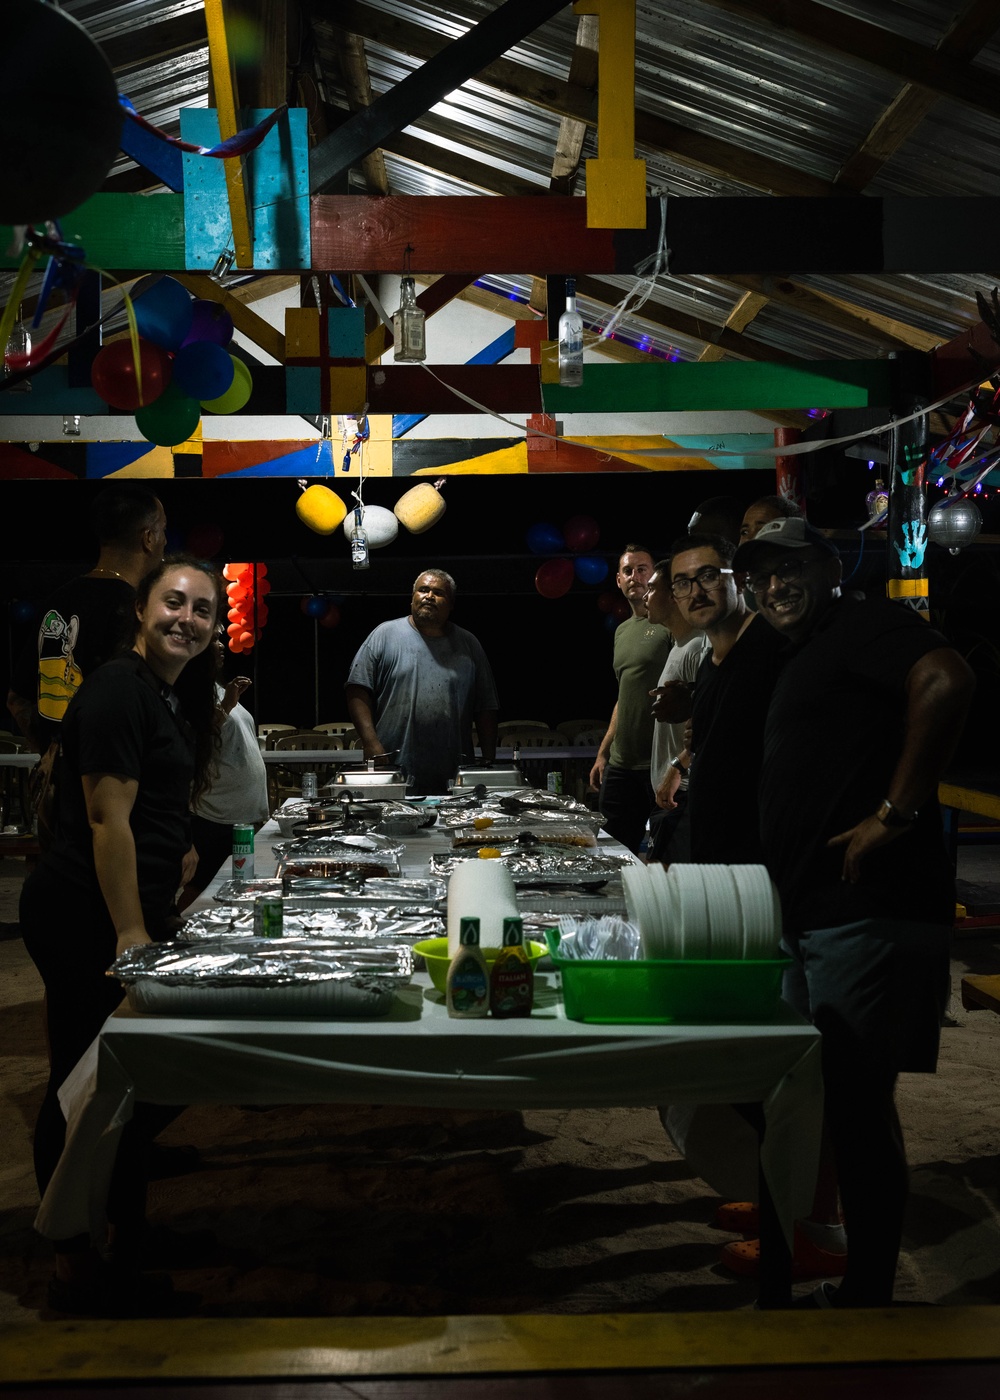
209	321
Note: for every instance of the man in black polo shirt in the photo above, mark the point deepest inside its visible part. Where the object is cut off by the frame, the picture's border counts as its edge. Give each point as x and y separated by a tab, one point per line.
864	717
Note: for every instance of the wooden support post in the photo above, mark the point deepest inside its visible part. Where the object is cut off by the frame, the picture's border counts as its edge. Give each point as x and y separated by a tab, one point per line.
616	181
226	102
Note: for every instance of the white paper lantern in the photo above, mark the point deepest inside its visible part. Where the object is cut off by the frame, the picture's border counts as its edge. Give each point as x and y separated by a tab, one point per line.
954	523
379	524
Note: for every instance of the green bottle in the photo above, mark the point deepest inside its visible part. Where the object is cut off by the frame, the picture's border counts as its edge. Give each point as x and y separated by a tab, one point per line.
468	990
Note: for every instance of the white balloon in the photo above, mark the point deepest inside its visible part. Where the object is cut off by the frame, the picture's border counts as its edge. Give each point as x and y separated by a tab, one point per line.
379	524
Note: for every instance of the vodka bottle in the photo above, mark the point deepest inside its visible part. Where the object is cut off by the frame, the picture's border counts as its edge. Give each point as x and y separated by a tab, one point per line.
571	340
359	542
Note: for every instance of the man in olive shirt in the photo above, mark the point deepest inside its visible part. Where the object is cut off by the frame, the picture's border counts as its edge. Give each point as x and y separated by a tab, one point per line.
622	767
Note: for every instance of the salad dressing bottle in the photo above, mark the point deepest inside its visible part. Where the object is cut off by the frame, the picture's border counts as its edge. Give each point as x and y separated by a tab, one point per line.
468	988
512	980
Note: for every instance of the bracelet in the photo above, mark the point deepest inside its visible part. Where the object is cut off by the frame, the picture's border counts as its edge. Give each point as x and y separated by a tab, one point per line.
890	815
676	763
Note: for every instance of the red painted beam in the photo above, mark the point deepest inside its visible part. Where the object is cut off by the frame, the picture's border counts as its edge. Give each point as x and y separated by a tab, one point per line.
971	355
411	389
515	234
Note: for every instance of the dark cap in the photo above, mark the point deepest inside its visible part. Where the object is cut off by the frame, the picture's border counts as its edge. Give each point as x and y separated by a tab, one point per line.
794	533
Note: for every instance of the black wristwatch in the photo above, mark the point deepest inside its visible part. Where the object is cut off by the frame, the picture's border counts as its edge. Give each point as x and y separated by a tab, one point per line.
890	815
676	763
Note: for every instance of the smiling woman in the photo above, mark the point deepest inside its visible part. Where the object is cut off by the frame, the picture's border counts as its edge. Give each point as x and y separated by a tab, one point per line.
136	737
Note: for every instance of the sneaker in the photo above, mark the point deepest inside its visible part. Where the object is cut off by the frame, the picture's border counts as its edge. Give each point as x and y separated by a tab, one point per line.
809	1260
825	1296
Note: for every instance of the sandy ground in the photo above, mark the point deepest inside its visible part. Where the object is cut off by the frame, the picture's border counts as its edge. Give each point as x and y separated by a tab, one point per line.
339	1211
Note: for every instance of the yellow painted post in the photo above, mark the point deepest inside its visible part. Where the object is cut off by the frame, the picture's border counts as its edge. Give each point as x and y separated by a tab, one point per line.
226	103
616	181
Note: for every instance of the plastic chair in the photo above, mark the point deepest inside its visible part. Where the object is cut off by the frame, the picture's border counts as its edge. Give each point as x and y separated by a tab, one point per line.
589	738
287	782
521	724
533	739
572	727
339	726
270	732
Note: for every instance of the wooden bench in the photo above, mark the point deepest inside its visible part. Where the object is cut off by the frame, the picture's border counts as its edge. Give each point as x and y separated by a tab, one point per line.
981	992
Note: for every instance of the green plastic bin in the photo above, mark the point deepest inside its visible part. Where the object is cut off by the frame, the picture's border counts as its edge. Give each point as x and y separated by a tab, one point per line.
651	992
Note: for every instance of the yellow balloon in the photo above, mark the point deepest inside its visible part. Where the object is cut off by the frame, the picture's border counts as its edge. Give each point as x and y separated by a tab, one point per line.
321	509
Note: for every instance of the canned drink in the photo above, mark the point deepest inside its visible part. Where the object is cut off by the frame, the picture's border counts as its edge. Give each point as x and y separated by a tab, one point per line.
267	917
553	782
242	852
310	789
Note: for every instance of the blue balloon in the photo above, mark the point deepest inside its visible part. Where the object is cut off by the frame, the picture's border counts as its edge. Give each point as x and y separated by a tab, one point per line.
544	539
316	607
163	311
203	370
591	568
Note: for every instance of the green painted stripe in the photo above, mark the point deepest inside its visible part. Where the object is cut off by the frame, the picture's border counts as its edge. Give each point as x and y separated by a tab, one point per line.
123	232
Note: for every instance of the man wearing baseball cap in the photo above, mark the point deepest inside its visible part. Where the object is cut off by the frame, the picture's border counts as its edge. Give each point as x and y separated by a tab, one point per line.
864	717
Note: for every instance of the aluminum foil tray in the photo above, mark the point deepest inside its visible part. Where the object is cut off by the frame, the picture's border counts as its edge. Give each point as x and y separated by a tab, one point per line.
336	856
272	978
546	868
537	905
246	891
518	832
339	924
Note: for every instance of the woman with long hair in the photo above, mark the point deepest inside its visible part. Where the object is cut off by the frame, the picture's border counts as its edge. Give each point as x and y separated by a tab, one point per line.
136	740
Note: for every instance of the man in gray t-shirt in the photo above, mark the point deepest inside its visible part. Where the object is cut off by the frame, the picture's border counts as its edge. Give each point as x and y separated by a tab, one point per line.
417	686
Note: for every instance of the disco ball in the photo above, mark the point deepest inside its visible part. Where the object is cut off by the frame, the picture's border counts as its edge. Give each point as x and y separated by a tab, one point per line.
954	523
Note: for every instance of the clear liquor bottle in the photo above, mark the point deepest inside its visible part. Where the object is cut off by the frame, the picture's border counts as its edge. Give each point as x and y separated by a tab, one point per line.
408	327
359	542
571	340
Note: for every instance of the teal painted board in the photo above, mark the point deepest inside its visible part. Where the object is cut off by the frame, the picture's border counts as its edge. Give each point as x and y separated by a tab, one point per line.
681	387
208	229
346	332
276	177
302	390
50	393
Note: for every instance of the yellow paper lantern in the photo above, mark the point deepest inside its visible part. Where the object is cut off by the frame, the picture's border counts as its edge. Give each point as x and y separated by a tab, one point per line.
421	507
321	509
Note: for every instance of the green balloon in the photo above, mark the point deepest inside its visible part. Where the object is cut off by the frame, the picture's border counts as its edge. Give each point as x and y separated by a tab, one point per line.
238	392
170	420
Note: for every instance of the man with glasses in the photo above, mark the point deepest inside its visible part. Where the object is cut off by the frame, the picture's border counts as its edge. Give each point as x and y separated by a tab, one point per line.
864	717
728	704
621	770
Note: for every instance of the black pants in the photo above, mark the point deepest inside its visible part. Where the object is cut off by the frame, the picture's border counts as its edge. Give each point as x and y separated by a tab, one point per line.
627	799
664	845
71	941
214	843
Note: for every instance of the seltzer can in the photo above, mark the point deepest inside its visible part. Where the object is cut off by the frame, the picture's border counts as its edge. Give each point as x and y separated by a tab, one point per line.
310	790
242	852
267	917
553	781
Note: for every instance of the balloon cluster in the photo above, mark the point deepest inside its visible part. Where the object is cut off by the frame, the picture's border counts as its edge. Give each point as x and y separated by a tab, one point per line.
184	363
244	582
580	535
322	610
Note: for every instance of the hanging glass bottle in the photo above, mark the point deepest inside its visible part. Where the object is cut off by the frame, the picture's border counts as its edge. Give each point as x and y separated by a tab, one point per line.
19	343
408	327
359	541
571	340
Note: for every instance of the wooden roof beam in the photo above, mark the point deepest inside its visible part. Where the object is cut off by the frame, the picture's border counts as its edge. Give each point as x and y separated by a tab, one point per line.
358	86
573	133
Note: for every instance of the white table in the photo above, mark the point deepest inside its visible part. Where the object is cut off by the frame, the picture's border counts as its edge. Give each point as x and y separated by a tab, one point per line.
418	1055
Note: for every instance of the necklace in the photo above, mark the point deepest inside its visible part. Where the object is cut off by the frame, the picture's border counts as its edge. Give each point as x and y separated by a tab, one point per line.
106	573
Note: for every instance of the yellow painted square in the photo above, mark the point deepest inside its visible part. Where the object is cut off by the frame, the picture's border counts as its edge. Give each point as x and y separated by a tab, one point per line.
550	361
616	193
301	333
348	388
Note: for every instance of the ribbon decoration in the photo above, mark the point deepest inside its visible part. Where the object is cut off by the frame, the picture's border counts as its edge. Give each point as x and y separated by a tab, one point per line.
9	317
238	145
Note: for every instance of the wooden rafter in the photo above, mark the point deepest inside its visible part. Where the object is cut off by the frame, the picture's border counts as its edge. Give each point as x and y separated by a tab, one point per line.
967	34
573	133
875	47
358	87
839	312
746	308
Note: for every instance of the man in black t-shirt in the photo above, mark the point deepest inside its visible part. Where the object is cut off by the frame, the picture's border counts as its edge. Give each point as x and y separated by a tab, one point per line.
864	717
86	621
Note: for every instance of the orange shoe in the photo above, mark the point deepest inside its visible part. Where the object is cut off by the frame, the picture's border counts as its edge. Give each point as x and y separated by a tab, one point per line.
809	1260
742	1217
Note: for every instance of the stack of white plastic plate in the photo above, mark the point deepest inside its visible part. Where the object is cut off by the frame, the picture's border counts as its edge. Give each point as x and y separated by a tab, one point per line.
666	943
724	915
691	903
761	911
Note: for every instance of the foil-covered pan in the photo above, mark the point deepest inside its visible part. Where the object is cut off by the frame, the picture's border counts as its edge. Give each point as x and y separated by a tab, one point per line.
519	833
370	924
338	855
545	867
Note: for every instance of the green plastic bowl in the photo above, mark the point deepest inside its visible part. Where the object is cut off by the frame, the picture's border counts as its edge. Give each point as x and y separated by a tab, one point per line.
434	952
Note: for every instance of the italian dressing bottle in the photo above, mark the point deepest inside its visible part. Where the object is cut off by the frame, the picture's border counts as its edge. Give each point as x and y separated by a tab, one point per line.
511	979
468	991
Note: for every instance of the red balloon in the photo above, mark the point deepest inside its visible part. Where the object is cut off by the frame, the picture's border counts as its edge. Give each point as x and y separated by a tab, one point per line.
331	617
205	540
113	374
621	610
554	578
582	532
606	602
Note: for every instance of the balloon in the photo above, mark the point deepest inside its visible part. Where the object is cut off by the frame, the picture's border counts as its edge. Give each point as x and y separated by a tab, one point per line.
204	370
581	532
205	540
544	539
113	373
234	571
238	392
313	607
554	578
331	617
209	321
606	602
162	310
170	420
591	568
621	610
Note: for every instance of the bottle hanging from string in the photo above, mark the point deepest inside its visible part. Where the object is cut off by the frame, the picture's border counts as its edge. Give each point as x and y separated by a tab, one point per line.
409	331
359	542
571	340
